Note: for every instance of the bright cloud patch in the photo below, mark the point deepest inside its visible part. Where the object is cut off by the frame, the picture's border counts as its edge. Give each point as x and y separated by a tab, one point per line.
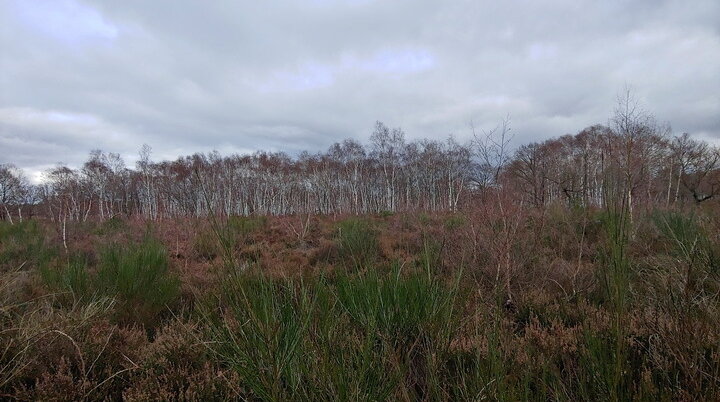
398	61
314	75
66	21
306	77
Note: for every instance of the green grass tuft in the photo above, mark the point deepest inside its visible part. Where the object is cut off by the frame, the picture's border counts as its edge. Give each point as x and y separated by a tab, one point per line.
358	242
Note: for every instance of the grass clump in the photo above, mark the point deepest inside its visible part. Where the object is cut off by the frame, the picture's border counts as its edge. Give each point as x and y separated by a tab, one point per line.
689	276
455	221
687	240
71	278
400	307
205	245
357	336
385	214
223	238
22	244
135	276
261	333
358	242
243	226
112	225
138	277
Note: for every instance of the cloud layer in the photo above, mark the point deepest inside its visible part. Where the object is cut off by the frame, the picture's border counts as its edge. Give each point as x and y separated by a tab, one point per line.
187	76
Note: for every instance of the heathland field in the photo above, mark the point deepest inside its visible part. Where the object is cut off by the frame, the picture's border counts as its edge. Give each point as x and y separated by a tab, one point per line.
497	302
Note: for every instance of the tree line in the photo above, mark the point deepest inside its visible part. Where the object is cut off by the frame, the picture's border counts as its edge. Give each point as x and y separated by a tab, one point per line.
633	154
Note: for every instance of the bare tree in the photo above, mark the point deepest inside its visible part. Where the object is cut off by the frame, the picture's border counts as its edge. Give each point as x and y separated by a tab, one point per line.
634	158
14	189
492	148
636	133
698	165
387	148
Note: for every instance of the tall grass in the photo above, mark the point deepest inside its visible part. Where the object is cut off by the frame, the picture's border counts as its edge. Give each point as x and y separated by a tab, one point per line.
136	276
205	245
690	245
685	283
358	243
23	244
260	332
362	336
112	225
610	363
224	236
400	307
70	277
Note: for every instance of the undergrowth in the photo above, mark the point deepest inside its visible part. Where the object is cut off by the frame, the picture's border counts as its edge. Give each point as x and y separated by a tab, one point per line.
137	277
400	308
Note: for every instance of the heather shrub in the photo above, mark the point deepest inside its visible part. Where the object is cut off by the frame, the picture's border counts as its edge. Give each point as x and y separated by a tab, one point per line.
47	349
176	366
183	383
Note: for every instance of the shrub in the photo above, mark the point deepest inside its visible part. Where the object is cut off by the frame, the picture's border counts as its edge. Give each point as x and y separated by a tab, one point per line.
175	368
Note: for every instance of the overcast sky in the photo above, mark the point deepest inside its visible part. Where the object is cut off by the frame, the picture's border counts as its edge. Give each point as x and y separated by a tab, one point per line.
238	76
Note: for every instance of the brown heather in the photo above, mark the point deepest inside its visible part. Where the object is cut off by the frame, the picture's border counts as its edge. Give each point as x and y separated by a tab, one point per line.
554	339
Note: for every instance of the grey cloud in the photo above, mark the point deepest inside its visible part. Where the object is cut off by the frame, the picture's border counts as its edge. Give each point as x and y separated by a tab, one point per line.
187	76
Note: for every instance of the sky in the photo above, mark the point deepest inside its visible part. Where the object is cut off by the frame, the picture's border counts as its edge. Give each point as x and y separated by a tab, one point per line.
239	76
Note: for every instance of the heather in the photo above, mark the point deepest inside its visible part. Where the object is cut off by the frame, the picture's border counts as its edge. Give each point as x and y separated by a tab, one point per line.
408	306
